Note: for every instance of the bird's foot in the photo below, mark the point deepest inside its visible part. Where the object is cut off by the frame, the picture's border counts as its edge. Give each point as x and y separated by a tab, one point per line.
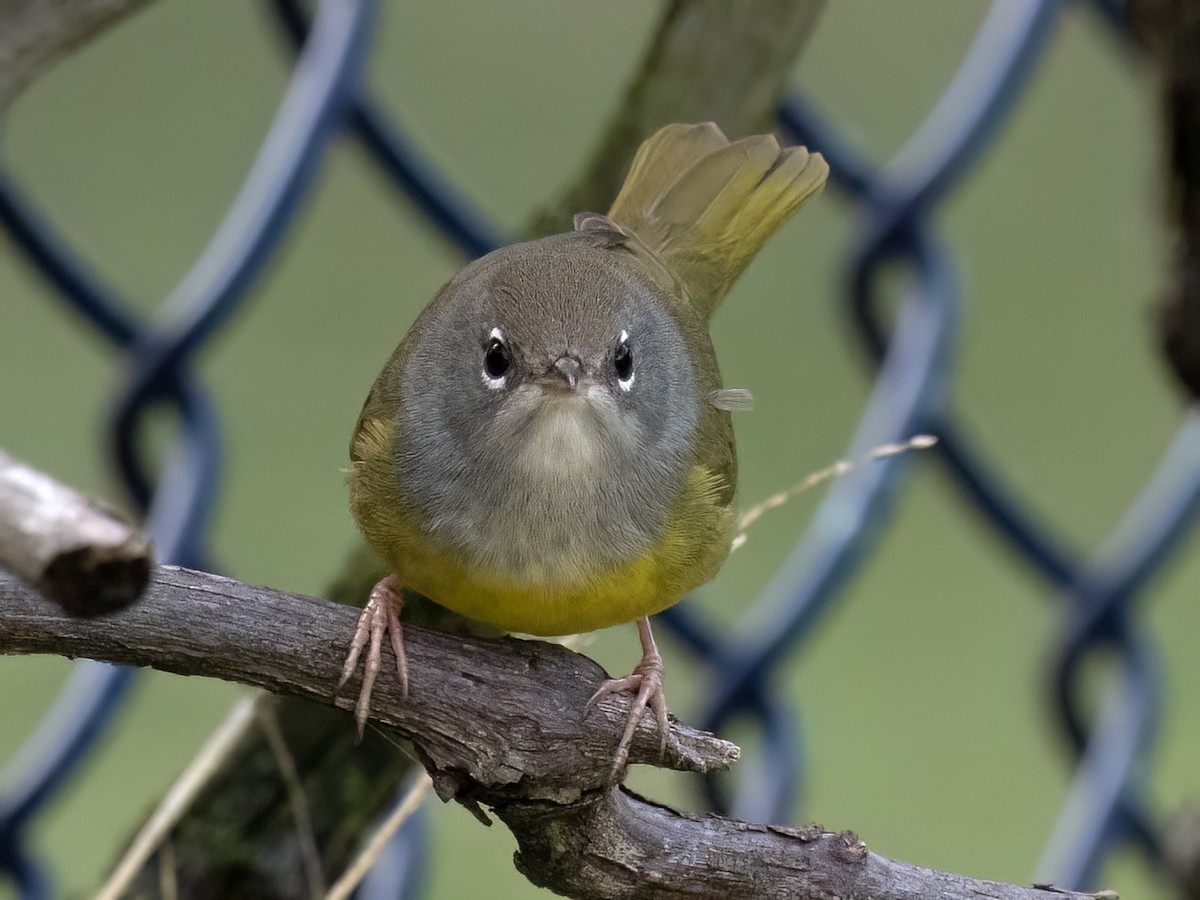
646	684
380	616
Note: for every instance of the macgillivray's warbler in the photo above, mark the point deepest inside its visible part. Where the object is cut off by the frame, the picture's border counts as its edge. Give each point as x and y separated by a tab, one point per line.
549	449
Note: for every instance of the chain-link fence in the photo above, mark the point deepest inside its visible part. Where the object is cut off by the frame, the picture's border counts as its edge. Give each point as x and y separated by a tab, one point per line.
909	329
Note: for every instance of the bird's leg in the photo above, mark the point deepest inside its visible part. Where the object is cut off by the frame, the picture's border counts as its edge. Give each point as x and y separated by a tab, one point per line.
381	615
646	684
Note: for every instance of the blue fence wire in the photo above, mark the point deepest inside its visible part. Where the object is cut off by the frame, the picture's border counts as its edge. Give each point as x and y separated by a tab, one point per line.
1107	807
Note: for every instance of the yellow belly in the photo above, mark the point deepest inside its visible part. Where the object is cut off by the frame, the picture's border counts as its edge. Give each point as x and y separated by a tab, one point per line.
688	554
692	548
620	596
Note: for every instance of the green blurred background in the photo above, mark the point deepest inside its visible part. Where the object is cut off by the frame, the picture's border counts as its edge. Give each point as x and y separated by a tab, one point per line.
923	694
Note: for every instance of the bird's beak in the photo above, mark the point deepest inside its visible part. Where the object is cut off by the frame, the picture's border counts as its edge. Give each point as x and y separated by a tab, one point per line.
563	375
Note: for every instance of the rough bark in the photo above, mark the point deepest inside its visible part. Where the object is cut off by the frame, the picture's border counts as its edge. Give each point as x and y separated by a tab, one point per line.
34	34
498	723
709	60
1170	31
1181	850
76	554
538	741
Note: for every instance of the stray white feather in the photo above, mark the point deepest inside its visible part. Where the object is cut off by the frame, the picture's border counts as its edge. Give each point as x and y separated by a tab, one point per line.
732	400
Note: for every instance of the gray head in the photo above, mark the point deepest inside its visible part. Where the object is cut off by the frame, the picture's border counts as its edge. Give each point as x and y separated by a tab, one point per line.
549	400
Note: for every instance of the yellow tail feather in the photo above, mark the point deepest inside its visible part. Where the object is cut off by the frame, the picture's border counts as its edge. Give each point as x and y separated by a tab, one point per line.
705	206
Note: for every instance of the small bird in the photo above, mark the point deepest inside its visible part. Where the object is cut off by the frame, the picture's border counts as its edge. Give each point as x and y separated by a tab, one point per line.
550	449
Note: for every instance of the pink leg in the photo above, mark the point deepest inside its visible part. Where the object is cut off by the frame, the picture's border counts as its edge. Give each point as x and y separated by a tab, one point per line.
381	615
646	683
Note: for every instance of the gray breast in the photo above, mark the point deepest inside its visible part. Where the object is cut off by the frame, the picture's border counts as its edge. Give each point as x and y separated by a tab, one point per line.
575	491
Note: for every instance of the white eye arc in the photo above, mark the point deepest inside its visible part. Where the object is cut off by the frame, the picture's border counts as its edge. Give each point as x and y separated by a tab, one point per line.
623	362
497	359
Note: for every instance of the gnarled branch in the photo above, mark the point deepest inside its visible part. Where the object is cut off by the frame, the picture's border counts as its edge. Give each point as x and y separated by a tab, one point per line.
34	34
708	60
498	723
1170	30
81	557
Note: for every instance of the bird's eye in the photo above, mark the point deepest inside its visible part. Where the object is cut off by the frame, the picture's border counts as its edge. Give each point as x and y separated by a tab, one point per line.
623	362
497	359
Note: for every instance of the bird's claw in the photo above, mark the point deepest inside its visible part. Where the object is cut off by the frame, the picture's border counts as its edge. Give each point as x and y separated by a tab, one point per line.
646	684
380	616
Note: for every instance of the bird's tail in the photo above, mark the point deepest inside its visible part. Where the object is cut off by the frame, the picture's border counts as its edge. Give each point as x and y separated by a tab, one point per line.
705	205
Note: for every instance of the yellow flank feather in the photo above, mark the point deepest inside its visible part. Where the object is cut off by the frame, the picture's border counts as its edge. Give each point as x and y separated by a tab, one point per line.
705	205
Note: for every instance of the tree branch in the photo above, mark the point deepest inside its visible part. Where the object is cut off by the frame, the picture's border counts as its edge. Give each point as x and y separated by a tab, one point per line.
193	623
497	723
709	60
1181	850
77	555
1170	32
34	34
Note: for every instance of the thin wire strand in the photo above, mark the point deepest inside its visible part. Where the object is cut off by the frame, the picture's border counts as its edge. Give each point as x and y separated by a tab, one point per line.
216	750
813	479
357	871
310	854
